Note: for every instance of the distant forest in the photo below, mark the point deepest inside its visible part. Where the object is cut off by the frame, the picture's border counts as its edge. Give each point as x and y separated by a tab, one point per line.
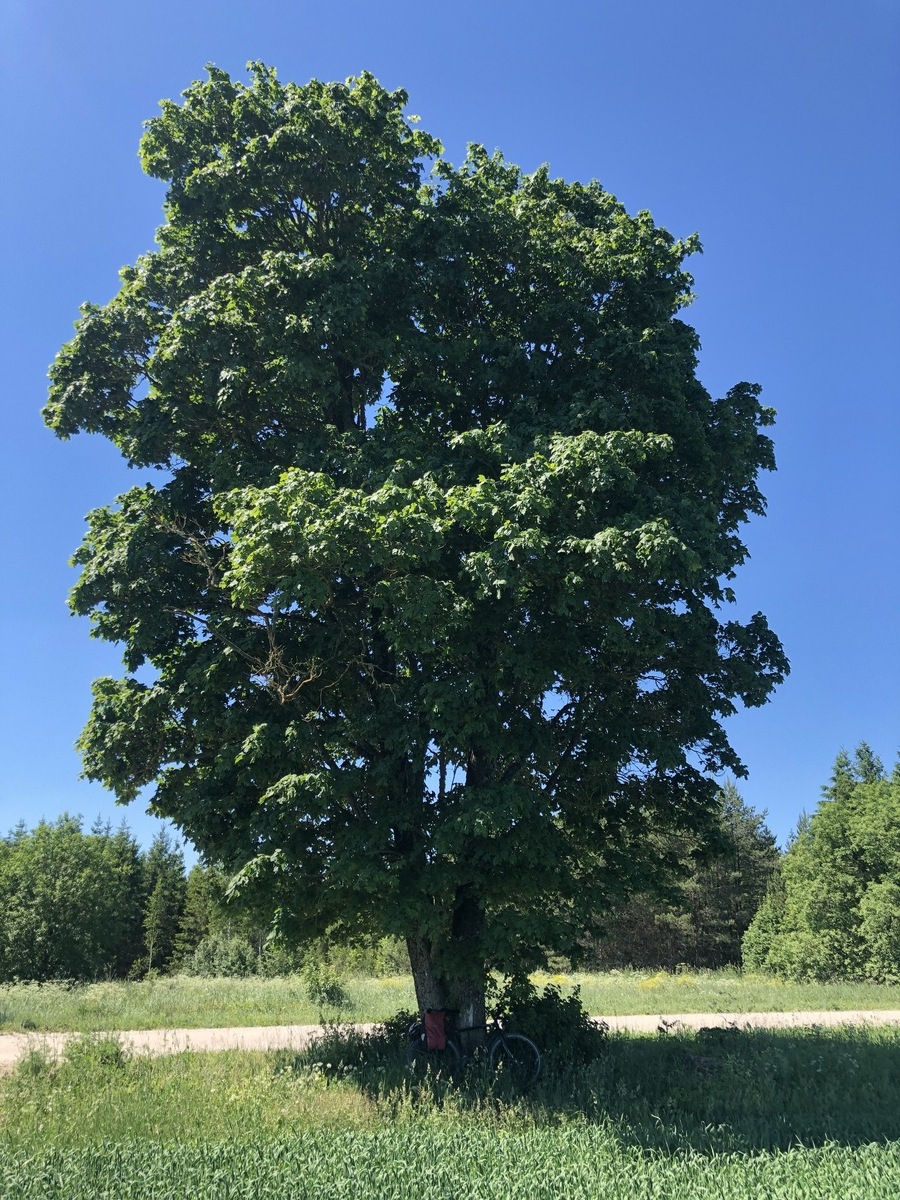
87	905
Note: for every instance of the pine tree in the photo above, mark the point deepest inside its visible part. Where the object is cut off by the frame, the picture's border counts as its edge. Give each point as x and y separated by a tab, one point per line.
164	889
201	896
702	917
834	911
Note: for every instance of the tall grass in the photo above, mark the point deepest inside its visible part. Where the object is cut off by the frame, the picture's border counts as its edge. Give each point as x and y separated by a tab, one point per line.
190	1002
716	1091
726	1114
182	1001
617	993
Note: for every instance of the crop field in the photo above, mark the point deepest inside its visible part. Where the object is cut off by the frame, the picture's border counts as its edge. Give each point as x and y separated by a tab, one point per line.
780	1114
185	1002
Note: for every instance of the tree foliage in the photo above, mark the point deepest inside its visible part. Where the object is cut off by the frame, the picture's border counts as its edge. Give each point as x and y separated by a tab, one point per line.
434	602
164	900
833	912
87	906
69	902
700	917
202	902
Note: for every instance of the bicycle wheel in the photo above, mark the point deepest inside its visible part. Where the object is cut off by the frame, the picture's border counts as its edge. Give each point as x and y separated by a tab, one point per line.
515	1057
421	1061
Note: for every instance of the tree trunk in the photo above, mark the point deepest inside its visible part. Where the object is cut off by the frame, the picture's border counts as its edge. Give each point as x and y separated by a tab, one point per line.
458	986
467	986
468	997
451	975
428	985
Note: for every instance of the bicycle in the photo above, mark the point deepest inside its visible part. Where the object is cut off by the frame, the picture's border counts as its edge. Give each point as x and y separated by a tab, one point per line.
510	1056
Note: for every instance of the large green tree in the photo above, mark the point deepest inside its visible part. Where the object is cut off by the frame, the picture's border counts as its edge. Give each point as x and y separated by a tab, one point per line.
834	910
69	902
428	627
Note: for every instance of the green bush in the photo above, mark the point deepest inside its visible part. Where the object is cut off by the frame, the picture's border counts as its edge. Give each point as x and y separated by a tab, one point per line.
278	960
364	956
560	1025
325	989
95	1051
222	954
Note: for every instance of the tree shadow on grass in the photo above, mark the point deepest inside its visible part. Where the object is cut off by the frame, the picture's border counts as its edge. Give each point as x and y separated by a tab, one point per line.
714	1091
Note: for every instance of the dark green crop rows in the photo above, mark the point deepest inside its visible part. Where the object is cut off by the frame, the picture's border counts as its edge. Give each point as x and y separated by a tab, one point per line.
444	1164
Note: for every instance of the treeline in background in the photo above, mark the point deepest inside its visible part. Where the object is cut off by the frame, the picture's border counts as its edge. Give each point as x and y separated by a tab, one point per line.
92	905
828	908
833	909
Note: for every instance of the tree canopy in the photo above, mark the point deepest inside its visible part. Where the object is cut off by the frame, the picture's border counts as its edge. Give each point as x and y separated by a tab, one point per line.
429	625
834	910
73	904
700	919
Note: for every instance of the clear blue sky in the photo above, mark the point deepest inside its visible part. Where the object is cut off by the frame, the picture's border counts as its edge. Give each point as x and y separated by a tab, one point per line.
769	127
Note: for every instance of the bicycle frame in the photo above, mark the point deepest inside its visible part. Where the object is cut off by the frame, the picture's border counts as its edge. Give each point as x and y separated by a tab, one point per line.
513	1054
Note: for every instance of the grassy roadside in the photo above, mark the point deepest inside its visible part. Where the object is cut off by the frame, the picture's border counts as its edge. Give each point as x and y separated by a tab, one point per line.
786	1113
188	1002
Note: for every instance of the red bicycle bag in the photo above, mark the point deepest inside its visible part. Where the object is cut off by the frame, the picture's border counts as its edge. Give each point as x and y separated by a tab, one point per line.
435	1029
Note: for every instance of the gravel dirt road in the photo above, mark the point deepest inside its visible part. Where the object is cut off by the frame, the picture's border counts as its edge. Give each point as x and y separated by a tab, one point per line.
278	1037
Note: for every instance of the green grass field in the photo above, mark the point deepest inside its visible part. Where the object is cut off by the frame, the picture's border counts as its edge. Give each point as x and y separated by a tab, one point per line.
790	1114
184	1002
